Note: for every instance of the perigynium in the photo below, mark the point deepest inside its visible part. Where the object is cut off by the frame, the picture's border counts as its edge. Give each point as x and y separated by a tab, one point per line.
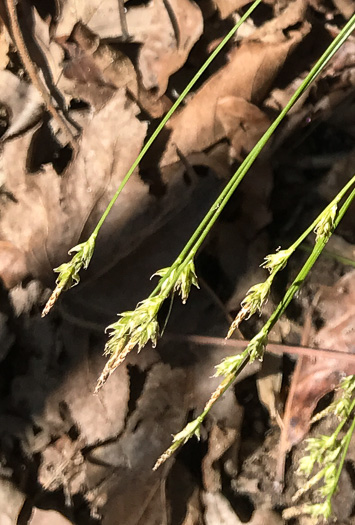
69	272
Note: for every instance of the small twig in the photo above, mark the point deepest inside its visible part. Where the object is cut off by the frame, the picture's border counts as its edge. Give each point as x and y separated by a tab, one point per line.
274	348
123	20
32	71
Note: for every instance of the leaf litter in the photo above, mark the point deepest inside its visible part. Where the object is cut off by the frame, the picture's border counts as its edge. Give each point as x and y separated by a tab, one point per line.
111	68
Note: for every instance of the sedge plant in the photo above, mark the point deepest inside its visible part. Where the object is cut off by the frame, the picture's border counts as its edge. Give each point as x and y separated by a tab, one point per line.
136	328
69	272
231	366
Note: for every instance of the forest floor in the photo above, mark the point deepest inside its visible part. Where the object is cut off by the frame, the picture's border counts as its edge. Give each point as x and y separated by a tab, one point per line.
80	94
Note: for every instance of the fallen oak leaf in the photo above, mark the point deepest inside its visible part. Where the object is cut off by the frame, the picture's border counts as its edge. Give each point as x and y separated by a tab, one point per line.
101	16
94	70
13	268
167	30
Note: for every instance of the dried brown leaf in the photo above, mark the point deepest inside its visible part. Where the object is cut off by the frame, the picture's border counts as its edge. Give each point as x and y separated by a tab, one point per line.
11	502
249	75
44	517
101	16
263	516
62	464
269	383
160	411
218	510
167	30
13	267
4	46
337	307
292	14
346	7
194	510
220	441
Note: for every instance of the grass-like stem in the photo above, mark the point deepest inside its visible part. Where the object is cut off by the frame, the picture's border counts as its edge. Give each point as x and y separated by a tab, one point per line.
231	366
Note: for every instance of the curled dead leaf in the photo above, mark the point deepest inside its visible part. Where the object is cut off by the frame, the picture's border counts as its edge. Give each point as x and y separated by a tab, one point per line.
313	378
97	69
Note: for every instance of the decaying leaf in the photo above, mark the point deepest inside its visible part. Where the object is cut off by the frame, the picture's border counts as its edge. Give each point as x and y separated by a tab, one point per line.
218	510
4	46
269	384
160	408
168	29
339	330
292	14
101	16
243	123
346	7
62	464
220	441
13	267
194	511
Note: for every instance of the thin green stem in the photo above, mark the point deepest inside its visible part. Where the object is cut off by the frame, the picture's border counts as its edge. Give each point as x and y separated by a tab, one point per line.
216	209
331	255
342	460
344	420
177	103
261	337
